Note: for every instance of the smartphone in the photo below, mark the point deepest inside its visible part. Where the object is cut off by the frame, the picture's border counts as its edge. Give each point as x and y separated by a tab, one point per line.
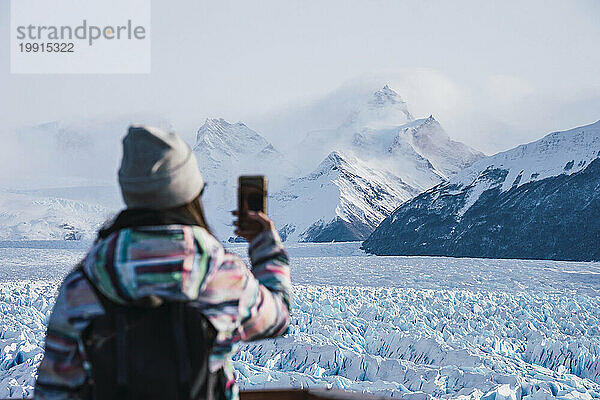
252	193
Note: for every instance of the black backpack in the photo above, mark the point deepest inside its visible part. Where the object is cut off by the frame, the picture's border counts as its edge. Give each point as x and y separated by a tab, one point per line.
141	352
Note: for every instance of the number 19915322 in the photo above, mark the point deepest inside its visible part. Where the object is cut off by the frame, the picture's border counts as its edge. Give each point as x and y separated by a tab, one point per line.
47	47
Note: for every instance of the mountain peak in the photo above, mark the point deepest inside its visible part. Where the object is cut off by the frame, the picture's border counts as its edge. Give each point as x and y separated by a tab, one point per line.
334	159
335	155
385	96
383	109
218	125
219	133
426	127
343	199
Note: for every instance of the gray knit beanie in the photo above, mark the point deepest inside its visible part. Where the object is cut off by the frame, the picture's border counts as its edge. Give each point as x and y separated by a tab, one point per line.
158	169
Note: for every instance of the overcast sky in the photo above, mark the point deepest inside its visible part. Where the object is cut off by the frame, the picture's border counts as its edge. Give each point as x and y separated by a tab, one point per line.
495	74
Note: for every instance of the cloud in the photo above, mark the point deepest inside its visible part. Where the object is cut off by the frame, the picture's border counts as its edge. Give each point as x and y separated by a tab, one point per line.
426	91
430	91
492	114
62	152
506	89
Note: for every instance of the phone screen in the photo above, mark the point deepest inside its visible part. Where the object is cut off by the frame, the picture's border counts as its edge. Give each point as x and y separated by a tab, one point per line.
252	193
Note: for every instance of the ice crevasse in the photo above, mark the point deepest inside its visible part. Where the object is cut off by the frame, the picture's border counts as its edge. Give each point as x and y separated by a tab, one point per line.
397	342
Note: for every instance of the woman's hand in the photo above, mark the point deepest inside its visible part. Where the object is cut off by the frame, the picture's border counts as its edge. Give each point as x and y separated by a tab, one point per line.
251	224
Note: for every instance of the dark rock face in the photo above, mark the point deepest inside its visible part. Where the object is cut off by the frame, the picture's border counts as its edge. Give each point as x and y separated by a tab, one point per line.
337	230
71	233
555	218
236	239
285	231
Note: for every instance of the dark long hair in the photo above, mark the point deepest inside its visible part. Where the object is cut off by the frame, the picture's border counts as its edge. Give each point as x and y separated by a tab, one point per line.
191	213
195	209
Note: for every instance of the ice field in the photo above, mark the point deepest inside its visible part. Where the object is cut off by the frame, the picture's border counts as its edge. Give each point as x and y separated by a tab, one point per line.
406	327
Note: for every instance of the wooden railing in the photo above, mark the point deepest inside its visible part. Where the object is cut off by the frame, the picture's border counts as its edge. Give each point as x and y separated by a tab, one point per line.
305	394
301	394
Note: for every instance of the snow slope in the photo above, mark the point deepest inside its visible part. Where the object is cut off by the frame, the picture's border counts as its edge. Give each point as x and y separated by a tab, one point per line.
343	199
433	143
407	327
565	152
420	152
382	131
68	186
538	200
26	217
226	150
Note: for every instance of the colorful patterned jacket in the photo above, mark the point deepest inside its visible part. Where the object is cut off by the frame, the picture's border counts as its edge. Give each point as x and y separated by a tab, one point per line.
174	262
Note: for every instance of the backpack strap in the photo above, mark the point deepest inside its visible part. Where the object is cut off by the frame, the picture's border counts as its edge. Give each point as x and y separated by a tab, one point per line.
121	336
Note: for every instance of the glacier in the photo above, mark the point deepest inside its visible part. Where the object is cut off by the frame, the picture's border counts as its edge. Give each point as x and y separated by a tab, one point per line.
402	327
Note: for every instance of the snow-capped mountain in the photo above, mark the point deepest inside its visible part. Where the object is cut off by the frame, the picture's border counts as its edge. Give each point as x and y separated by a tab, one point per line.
379	157
538	200
225	151
384	109
383	132
68	186
29	217
429	139
344	199
420	152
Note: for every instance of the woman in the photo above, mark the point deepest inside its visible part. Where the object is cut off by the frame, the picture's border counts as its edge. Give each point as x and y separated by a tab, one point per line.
157	294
